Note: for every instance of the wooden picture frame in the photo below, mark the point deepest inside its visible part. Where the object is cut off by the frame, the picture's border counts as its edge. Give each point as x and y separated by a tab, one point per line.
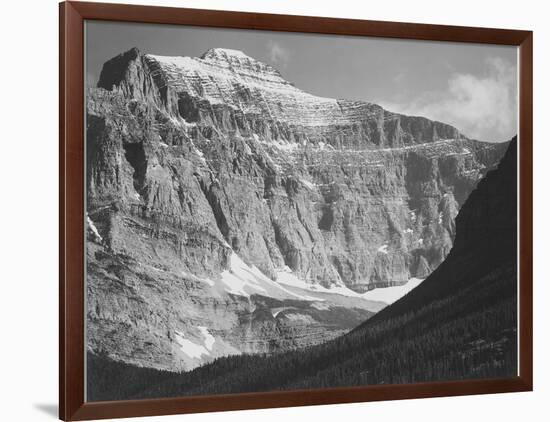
72	404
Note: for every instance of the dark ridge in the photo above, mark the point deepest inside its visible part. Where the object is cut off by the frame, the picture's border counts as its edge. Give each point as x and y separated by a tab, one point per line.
114	70
135	154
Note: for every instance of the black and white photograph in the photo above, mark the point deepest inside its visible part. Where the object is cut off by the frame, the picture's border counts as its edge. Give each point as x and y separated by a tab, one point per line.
270	211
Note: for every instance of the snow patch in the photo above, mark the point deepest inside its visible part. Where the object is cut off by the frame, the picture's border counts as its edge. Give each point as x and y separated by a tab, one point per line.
209	339
191	349
93	228
320	306
308	184
194	277
240	276
408	231
277	311
287	277
244	280
247	149
386	295
383	249
391	294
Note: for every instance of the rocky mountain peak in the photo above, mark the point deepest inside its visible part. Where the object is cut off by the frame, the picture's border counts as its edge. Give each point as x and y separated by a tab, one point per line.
226	55
242	64
214	183
233	91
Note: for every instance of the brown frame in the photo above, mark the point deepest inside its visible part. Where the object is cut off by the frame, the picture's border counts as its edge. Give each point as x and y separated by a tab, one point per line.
72	405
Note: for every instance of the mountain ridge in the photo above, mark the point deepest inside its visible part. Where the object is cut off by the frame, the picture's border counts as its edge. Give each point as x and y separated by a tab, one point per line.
286	151
206	194
167	70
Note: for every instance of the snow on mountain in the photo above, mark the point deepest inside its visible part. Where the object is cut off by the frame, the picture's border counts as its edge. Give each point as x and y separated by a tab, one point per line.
193	350
389	295
246	85
244	280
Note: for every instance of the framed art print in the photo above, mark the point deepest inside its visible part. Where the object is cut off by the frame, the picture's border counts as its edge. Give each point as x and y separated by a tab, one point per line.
267	210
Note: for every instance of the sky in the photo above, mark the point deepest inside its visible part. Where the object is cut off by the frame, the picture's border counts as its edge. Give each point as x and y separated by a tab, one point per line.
470	86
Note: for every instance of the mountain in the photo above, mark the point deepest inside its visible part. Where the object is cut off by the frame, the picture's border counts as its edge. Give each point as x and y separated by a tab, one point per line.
460	323
229	211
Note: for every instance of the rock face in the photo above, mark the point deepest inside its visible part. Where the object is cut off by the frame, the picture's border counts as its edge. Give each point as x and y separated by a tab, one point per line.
212	180
460	323
485	245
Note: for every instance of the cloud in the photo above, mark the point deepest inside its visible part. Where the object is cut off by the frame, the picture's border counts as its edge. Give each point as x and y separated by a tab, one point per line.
482	107
278	54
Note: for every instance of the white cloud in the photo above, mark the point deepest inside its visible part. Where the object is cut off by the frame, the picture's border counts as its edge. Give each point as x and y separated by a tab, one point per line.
480	106
278	55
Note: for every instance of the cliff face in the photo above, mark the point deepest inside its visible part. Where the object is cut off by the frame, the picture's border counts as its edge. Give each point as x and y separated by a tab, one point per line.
213	183
485	246
460	323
